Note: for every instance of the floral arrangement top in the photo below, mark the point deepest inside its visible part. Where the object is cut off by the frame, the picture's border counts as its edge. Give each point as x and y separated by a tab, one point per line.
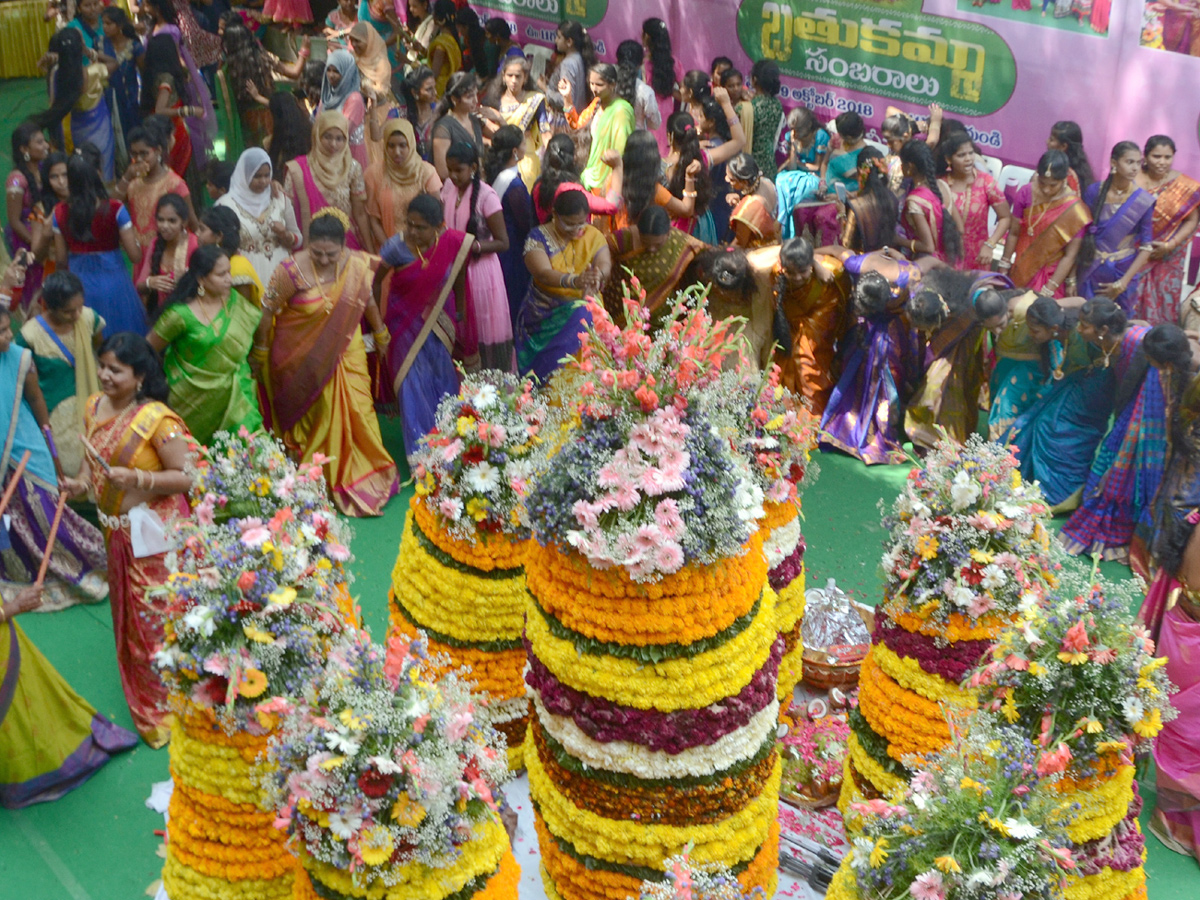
251	605
967	537
771	427
380	765
474	468
976	823
814	751
240	475
644	481
1079	673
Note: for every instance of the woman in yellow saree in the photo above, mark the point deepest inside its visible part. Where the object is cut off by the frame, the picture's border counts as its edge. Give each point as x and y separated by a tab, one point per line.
137	450
316	378
525	109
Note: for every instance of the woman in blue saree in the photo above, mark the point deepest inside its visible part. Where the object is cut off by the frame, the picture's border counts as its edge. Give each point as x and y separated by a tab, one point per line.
1152	372
1118	244
1029	352
77	90
427	313
125	48
1057	436
865	413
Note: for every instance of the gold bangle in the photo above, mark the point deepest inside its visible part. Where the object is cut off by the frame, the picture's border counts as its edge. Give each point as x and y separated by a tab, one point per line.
3	614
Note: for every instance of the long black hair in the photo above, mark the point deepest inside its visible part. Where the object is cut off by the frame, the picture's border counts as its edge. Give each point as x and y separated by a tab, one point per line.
698	84
162	58
247	61
464	152
715	114
165	9
920	157
643	165
408	89
558	167
68	77
662	63
623	80
21	137
1087	249
87	193
476	40
1045	312
1164	345
180	206
500	154
941	295
1070	134
879	230
727	268
134	351
683	134
291	130
201	265
582	41
459	85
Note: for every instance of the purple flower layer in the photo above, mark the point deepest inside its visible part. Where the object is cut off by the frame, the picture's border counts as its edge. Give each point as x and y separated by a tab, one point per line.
673	732
952	662
789	567
1121	850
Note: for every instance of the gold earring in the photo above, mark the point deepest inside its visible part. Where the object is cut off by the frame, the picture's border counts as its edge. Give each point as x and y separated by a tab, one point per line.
199	290
26	155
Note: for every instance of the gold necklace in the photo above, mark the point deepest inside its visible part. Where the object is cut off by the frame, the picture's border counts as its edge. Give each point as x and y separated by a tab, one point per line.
328	306
202	306
421	256
1108	353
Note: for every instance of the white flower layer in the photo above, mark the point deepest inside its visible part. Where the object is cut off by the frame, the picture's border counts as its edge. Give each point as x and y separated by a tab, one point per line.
634	759
782	541
497	712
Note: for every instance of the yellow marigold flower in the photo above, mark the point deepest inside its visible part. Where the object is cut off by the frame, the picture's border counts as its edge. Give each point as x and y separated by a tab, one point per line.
375	845
407	813
1150	724
282	596
477	508
332	763
261	486
1112	747
880	854
253	682
927	546
947	864
1074	657
1016	479
254	633
465	426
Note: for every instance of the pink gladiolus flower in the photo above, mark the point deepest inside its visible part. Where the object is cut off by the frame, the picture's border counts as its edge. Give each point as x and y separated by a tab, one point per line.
647	398
608	378
1054	761
627	379
1103	656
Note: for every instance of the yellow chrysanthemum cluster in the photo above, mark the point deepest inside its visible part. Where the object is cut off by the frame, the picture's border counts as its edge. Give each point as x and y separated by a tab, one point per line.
223	843
473	615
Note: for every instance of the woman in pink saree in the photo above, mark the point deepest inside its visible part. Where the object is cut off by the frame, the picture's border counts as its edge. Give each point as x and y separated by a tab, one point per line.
927	215
1176	215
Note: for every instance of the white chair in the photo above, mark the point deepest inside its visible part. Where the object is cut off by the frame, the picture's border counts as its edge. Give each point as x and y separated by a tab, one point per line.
1014	177
989	164
878	145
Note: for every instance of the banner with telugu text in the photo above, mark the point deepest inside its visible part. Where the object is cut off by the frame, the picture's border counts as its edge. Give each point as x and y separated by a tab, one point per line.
1124	69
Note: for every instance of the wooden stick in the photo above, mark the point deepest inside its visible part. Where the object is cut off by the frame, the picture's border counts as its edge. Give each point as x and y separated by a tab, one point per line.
62	504
58	469
12	485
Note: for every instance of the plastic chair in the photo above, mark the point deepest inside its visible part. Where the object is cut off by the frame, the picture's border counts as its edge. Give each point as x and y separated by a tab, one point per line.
989	164
1012	178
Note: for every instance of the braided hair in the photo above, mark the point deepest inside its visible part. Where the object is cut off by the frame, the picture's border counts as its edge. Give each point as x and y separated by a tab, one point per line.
68	77
178	204
918	155
464	152
475	40
87	193
558	167
879	230
1070	135
662	64
1087	250
681	129
500	154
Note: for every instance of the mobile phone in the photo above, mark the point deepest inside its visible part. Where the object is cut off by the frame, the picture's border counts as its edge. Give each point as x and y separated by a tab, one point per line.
843	195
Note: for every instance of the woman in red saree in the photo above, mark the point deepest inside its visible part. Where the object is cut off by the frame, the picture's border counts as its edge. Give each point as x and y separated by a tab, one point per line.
1047	229
1176	215
317	382
428	314
137	455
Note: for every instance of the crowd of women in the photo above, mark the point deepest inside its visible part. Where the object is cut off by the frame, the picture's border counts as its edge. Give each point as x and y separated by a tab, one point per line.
426	200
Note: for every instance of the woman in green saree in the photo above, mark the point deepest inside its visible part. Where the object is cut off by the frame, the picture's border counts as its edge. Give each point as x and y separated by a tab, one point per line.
609	117
64	341
206	330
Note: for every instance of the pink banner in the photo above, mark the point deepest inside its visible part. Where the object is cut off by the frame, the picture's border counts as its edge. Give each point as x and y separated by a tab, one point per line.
1007	69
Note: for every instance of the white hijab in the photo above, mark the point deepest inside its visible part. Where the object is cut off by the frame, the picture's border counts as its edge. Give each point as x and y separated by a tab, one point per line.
239	183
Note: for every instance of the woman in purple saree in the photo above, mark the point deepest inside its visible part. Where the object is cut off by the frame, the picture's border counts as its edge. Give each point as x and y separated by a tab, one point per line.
428	314
1118	243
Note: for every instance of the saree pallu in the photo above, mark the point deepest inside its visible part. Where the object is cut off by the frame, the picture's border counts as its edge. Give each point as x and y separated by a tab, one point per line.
530	116
816	314
610	132
922	202
308	198
1128	468
51	739
752	212
1039	253
96	125
865	412
1177	31
1056	437
1177	746
421	359
131	439
1160	291
550	320
792	187
948	396
319	385
658	273
207	369
518	221
67	376
1120	232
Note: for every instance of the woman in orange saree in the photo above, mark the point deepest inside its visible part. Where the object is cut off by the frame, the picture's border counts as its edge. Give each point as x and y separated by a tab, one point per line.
137	450
1176	214
1047	228
317	383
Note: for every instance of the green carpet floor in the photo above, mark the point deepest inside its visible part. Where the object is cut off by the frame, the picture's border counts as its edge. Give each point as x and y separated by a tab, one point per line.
99	842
